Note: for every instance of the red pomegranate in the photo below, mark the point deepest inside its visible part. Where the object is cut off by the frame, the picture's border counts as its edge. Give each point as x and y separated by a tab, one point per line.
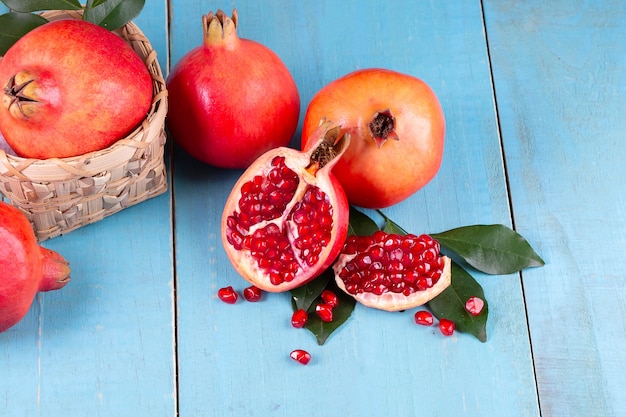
71	87
232	99
287	217
25	267
397	128
392	272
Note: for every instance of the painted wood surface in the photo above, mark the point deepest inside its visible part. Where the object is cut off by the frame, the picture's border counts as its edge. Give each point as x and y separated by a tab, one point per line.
561	97
533	94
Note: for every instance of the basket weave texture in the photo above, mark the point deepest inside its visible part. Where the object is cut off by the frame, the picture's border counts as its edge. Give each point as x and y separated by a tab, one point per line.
59	195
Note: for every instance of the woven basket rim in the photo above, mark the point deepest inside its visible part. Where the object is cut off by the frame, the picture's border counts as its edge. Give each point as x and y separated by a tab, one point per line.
89	164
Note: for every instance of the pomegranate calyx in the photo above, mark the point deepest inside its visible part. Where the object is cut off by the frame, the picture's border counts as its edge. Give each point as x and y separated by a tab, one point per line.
56	270
382	127
220	29
17	95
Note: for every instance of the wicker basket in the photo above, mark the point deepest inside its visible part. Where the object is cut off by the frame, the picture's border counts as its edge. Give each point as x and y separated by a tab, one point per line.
62	194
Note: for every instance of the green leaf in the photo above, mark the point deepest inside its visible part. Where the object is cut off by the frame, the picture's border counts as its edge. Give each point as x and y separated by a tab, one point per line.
450	304
95	3
493	249
304	296
112	14
361	224
392	227
27	6
14	25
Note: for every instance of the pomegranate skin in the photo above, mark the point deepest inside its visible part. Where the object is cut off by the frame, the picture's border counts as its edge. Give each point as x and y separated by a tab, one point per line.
232	99
84	87
379	172
25	267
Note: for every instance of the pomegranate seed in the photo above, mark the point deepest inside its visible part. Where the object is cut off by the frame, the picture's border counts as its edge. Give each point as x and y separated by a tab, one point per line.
446	326
301	356
252	293
424	318
227	295
330	298
474	305
325	312
299	318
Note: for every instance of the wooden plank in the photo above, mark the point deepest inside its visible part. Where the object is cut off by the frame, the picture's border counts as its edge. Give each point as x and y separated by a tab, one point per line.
559	75
234	359
103	345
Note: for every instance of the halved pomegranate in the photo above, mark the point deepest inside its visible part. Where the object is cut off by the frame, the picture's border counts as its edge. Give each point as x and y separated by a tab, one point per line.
392	272
286	218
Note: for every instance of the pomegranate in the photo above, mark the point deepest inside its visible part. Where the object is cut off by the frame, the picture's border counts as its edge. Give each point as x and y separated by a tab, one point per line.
424	318
252	294
325	312
474	305
397	128
71	87
287	217
392	272
25	267
228	295
232	99
446	327
301	356
299	318
330	298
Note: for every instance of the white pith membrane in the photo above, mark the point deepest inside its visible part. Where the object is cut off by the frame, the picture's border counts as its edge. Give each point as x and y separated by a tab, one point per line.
392	301
242	259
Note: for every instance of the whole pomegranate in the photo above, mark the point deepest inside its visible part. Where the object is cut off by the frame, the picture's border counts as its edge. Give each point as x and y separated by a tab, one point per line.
287	216
392	272
232	99
397	128
71	87
25	267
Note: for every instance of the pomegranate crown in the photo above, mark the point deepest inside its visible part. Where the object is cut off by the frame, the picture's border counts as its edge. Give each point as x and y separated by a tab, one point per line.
219	28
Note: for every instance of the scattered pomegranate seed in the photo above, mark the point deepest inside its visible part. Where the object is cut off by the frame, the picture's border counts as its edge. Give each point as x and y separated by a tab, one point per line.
446	326
424	318
330	298
301	356
227	295
474	305
299	318
325	312
252	293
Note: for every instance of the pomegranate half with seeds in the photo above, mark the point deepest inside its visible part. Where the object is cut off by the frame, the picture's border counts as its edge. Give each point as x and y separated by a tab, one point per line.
392	272
286	218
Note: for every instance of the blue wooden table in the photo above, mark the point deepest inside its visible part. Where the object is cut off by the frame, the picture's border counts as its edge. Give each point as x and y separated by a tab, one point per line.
534	94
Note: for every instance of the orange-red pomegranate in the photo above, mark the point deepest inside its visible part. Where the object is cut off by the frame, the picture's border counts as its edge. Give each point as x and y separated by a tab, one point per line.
25	267
287	216
397	128
71	87
232	99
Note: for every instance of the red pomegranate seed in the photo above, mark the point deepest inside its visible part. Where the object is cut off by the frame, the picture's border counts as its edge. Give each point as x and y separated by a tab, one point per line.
299	318
325	312
227	295
424	318
330	298
474	305
446	326
301	356
252	294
